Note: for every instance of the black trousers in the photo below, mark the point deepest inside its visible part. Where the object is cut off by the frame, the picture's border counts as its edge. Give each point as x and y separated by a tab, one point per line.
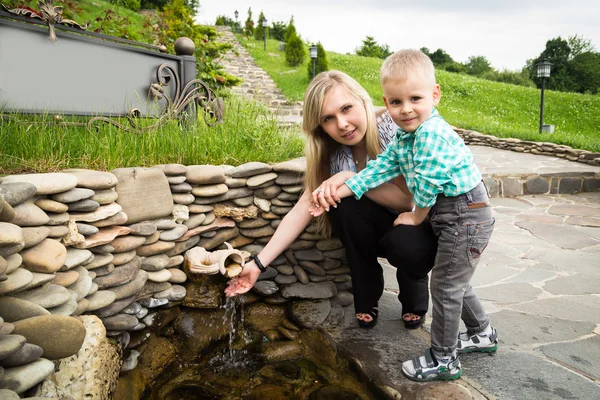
367	232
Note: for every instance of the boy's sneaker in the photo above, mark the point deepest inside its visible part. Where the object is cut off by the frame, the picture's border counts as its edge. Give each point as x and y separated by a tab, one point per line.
429	368
477	342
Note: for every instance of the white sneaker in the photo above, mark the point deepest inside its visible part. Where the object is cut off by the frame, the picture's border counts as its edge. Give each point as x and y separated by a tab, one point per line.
477	342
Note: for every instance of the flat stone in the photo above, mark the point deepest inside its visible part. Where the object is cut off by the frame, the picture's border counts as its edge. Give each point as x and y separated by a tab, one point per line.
73	195
123	258
115	307
120	322
66	308
313	291
100	260
14	309
309	255
38	280
58	335
261	179
26	354
210	190
51	205
230	195
101	213
566	237
581	355
120	276
159	276
199	208
265	288
182	247
183	198
60	231
578	284
268	192
573	308
195	220
28	214
6	394
295	166
175	179
57	219
97	180
120	218
9	344
183	187
217	223
258	232
47	257
310	314
314	268
104	197
510	293
47	296
100	299
164	224
173	234
153	287
235	182
144	193
7	213
177	275
104	236
48	183
11	234
76	257
131	288
86	205
16	280
32	235
249	169
155	248
24	377
16	193
65	278
155	263
86	229
204	174
174	169
345	299
127	243
143	228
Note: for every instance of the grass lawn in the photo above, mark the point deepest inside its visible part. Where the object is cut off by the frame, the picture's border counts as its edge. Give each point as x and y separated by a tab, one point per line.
489	107
248	133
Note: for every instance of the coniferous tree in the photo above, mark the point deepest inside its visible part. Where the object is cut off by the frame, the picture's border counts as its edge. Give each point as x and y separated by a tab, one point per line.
321	63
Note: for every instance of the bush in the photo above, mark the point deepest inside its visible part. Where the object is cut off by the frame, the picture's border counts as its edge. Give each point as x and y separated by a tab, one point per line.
249	24
513	77
130	4
290	31
277	31
222	20
321	63
259	31
294	51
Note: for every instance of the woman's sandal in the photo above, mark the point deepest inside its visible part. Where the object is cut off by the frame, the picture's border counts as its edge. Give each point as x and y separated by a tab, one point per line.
373	313
414	324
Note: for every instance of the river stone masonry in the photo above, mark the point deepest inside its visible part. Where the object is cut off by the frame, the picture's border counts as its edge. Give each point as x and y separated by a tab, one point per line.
119	256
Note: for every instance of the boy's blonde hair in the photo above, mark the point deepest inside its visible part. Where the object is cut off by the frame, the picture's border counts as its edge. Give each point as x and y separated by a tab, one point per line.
319	145
405	63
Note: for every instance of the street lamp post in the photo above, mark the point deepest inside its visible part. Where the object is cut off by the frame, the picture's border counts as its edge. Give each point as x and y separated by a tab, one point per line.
236	13
543	71
313	56
264	24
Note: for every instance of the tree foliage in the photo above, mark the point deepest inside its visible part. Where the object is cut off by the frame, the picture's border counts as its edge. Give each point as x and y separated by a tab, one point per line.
295	53
290	30
321	63
223	20
277	31
585	70
259	30
370	48
191	5
249	24
478	65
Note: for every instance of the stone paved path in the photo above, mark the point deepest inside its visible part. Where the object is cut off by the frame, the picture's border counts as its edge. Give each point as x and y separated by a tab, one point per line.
539	279
258	85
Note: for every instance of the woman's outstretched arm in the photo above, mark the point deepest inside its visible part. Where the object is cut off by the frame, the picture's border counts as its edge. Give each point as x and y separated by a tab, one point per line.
288	230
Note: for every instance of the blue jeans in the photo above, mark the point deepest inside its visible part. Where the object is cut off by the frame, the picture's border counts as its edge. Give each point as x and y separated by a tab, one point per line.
463	225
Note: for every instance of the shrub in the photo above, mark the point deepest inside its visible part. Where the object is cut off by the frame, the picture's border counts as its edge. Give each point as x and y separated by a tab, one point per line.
130	4
321	63
249	25
277	31
222	20
289	31
259	31
294	51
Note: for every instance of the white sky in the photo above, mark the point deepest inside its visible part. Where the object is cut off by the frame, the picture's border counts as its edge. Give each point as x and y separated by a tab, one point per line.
506	32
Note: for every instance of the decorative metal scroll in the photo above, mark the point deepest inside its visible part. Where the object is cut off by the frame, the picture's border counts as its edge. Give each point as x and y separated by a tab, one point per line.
49	13
194	93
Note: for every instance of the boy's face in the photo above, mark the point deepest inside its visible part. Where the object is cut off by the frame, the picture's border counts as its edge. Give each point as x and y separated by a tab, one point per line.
410	100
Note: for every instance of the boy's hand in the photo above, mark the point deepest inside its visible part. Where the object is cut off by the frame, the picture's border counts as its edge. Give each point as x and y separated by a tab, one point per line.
406	218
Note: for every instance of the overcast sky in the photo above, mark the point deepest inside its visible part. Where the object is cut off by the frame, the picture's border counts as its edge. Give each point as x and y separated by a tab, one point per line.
506	32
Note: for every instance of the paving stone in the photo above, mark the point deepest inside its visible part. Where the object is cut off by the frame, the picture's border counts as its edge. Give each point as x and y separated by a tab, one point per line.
566	237
509	293
576	308
581	355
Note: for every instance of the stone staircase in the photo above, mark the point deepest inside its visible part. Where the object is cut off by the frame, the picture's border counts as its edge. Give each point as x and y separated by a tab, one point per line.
257	85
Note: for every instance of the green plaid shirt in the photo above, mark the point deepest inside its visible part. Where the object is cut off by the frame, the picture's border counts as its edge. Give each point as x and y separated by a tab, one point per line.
433	160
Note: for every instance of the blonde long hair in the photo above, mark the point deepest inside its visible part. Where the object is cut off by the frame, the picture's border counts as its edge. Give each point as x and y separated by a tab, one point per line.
319	145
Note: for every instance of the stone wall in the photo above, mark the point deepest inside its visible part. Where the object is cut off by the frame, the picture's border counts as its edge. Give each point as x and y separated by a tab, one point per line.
111	245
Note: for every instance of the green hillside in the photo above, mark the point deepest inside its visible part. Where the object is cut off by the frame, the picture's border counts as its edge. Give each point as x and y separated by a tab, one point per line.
499	109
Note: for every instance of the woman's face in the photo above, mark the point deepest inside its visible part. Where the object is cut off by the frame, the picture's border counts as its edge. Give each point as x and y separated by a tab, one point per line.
343	116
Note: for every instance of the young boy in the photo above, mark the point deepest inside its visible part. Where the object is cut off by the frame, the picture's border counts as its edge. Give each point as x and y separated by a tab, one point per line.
446	185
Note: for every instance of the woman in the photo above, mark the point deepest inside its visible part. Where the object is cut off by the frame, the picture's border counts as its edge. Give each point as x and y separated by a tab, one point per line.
343	134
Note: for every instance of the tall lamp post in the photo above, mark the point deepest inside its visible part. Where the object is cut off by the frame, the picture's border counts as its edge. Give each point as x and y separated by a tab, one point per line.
236	13
313	56
543	71
264	24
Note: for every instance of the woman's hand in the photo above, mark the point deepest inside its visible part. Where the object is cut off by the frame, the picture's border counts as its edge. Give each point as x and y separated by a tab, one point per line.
244	281
326	195
315	210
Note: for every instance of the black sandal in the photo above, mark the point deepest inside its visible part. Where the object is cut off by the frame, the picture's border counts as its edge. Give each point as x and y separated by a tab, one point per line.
373	313
414	324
